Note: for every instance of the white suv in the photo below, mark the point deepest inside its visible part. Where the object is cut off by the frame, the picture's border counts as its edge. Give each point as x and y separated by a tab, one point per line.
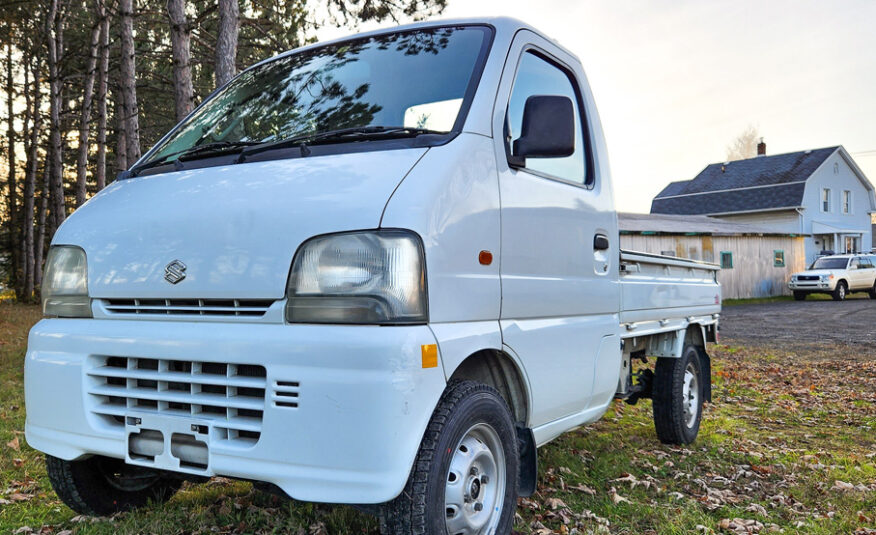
837	275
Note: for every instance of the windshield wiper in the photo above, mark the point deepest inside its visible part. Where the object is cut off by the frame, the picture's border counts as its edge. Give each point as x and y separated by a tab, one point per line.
356	133
217	148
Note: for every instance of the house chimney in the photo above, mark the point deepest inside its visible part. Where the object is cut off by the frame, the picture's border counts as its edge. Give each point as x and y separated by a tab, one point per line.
761	148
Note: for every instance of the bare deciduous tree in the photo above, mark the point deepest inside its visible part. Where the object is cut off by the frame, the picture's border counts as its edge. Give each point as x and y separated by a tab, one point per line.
744	146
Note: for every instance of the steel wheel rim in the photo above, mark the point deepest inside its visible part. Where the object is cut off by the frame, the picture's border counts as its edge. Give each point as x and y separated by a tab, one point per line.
474	492
690	395
842	291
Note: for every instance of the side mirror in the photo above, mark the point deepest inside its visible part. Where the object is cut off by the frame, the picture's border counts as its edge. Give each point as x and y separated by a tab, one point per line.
548	129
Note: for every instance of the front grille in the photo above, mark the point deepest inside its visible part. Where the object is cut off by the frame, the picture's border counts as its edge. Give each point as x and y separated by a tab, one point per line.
230	396
808	277
190	307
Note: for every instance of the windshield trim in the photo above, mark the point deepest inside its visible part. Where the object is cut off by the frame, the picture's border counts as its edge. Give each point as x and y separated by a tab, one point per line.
462	116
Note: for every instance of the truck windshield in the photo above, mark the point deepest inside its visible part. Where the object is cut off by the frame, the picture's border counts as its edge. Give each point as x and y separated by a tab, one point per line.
421	79
830	263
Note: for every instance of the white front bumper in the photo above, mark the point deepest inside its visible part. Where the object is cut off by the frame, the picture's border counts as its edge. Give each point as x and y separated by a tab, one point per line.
813	286
363	406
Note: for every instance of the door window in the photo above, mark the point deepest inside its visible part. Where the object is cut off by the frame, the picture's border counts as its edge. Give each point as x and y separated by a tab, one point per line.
537	76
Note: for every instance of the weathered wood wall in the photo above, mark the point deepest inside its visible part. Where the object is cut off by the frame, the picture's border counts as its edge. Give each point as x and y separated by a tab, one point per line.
753	273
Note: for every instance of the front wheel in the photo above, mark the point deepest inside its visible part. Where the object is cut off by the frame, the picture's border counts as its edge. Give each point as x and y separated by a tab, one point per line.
799	296
872	292
100	486
678	397
839	294
464	479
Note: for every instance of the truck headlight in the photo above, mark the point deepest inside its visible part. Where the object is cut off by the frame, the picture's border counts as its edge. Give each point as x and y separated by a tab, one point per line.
366	277
65	284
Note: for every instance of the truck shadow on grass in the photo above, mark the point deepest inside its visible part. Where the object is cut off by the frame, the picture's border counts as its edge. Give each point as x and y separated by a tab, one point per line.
789	443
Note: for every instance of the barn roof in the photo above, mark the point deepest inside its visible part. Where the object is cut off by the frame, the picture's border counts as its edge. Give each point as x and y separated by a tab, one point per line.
761	183
630	223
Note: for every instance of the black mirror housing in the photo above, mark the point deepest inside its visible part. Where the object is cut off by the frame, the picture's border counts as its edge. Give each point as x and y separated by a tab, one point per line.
548	129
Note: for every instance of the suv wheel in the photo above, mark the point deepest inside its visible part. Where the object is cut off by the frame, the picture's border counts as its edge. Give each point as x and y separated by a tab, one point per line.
839	294
799	296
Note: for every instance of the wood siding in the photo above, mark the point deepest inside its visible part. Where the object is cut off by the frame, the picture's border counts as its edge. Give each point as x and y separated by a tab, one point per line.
753	273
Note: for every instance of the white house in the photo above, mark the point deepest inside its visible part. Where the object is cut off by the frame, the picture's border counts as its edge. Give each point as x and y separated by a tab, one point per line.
820	194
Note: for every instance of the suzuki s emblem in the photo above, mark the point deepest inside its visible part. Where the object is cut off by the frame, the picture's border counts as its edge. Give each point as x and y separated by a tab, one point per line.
174	272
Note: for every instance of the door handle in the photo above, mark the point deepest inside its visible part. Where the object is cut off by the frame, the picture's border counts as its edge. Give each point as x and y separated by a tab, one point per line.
600	242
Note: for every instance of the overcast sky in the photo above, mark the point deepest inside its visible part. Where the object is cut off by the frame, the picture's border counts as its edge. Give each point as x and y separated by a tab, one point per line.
676	81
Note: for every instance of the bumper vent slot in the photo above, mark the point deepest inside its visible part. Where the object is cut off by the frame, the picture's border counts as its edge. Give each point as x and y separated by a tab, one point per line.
286	394
253	308
230	396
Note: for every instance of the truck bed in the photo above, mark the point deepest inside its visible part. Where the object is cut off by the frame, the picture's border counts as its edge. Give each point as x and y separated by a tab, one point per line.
661	293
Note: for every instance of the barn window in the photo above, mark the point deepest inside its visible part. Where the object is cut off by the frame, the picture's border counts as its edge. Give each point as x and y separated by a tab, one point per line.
779	258
847	202
726	260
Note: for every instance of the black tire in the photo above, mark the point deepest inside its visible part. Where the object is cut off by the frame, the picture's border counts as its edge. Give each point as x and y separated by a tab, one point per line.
872	292
673	423
840	292
101	486
420	508
799	296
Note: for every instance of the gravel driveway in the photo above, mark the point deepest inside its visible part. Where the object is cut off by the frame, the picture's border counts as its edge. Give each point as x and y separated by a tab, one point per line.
803	324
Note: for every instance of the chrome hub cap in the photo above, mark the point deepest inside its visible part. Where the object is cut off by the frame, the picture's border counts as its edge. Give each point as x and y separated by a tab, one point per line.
690	394
475	486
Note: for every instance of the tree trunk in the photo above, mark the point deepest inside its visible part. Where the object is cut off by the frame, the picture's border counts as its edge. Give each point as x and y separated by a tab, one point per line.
121	139
102	74
12	198
85	118
29	186
128	82
55	45
41	228
226	42
183	92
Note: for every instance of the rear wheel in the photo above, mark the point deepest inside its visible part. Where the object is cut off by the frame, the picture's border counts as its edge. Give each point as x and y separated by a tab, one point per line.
839	294
102	486
678	397
799	296
872	292
464	480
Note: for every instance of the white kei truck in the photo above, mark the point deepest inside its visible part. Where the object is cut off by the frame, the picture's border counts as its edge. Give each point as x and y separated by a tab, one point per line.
378	271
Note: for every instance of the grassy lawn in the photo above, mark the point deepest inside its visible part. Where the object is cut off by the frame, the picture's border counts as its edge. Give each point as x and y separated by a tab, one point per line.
789	444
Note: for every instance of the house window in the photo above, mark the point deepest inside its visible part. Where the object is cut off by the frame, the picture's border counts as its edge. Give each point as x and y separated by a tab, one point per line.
778	258
825	200
726	260
847	202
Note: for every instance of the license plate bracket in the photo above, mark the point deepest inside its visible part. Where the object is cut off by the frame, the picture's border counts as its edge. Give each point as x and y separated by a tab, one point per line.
168	443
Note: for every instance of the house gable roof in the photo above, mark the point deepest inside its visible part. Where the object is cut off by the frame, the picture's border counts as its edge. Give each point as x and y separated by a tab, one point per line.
761	183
